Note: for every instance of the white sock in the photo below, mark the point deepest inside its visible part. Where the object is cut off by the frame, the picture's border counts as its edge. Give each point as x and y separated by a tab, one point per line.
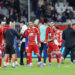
13	64
5	64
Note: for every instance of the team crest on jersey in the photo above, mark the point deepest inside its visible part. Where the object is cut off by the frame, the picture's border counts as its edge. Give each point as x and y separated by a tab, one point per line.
30	34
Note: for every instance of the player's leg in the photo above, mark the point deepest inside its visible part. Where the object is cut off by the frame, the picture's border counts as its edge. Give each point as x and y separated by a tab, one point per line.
39	60
49	58
28	60
57	57
28	50
73	56
5	60
13	60
36	50
66	51
0	59
41	49
52	55
45	54
49	54
9	60
16	62
31	58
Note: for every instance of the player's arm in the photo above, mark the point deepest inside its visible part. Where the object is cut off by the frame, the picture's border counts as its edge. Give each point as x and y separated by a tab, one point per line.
38	35
26	34
47	32
63	35
16	34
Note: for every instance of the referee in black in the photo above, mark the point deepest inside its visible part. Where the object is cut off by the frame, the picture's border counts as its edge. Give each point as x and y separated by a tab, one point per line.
69	37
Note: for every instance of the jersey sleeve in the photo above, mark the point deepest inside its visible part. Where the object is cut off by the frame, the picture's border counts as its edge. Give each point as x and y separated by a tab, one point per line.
38	35
26	34
47	32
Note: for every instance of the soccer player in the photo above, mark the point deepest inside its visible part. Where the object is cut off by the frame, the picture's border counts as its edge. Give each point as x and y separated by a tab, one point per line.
1	37
52	44
2	29
59	40
43	47
32	32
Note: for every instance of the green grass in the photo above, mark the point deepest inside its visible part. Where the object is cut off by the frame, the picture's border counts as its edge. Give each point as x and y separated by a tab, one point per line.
64	69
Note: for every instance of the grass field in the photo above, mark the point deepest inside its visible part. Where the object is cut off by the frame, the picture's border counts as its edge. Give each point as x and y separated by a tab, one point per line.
64	69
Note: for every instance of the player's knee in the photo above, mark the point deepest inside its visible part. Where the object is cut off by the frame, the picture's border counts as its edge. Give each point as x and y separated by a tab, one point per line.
57	52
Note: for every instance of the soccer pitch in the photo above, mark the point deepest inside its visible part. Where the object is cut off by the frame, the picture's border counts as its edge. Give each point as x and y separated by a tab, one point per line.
64	69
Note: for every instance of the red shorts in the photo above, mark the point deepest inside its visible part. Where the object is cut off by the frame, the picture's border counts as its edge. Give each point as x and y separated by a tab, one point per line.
59	46
0	49
52	47
31	48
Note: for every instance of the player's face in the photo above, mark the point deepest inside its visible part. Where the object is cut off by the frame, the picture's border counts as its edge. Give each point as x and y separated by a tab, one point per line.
51	24
31	24
74	27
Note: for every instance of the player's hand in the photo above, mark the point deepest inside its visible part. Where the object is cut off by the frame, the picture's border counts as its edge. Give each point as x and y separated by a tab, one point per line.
49	40
39	44
47	43
19	45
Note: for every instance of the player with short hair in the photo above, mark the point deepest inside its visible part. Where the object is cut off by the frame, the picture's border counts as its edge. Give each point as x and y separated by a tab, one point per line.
52	44
59	41
32	32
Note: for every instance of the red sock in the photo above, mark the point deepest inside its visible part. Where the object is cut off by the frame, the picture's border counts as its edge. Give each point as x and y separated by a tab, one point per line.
16	59
57	57
60	55
9	59
31	58
52	55
39	58
0	61
49	57
28	60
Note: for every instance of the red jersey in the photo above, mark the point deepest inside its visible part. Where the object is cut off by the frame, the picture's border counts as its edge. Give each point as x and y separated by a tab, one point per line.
32	33
1	37
2	30
59	39
51	32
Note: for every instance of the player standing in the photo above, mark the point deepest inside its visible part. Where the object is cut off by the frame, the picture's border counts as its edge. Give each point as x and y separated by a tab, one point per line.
32	32
52	46
1	37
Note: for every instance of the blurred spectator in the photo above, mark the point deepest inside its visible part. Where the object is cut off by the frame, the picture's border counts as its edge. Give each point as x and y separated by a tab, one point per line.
71	14
23	18
1	16
37	12
54	14
48	12
43	10
5	11
63	17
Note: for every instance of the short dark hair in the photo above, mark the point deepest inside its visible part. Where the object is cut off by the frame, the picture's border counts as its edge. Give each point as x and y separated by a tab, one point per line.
73	24
7	22
45	20
22	22
69	25
57	27
52	21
